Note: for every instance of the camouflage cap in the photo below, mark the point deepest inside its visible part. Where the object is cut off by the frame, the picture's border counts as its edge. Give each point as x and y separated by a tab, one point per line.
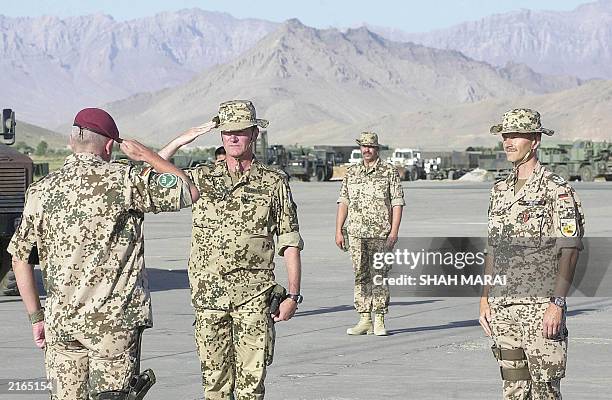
236	115
368	139
521	120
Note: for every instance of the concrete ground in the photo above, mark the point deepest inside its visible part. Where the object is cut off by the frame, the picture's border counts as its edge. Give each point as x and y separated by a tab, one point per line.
435	350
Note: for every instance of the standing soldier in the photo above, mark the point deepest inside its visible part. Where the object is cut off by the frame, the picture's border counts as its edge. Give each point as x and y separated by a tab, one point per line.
535	230
86	222
372	198
244	204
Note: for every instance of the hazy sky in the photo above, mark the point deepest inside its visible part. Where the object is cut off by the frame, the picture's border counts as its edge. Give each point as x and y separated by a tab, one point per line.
409	15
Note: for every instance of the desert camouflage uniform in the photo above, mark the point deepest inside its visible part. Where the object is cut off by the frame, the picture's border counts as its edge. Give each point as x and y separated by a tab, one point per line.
231	273
86	221
370	194
527	231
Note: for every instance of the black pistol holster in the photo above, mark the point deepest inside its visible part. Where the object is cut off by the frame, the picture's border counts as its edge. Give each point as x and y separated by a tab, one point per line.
139	383
278	294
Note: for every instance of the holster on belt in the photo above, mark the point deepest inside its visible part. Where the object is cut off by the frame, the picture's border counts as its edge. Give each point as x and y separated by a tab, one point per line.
277	295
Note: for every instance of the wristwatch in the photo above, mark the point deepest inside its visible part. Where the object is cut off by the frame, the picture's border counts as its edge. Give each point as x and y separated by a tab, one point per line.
298	298
558	301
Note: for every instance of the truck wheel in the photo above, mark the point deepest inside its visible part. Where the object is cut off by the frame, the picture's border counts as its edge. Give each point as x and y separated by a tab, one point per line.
414	174
586	173
8	284
562	171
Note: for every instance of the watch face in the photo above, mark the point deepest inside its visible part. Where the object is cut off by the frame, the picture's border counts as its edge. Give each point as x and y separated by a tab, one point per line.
559	301
296	297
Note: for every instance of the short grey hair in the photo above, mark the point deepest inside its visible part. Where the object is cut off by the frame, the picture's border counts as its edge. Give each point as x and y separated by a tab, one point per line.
83	139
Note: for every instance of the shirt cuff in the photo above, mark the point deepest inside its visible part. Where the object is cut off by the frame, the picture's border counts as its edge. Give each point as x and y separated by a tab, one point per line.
289	239
398	202
569	242
20	253
343	200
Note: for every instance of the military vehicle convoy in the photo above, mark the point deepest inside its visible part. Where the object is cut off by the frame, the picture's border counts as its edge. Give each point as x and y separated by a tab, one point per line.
582	159
15	176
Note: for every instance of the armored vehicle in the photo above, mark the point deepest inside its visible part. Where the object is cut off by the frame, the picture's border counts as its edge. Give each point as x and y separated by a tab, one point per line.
15	176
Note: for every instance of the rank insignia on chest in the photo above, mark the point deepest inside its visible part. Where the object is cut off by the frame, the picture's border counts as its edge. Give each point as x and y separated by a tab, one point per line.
531	203
568	227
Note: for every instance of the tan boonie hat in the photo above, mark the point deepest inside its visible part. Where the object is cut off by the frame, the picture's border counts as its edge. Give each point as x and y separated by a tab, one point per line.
236	115
521	120
368	139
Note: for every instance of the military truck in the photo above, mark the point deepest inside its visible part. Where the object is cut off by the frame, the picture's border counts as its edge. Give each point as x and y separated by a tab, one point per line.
582	159
324	162
16	172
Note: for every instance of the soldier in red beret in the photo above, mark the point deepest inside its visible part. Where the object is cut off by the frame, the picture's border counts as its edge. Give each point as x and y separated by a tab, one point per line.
85	220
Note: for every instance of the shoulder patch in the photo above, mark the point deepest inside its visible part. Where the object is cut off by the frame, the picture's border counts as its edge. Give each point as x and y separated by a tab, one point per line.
167	180
556	179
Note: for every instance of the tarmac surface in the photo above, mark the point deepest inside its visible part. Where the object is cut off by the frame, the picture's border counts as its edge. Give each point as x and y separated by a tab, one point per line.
435	350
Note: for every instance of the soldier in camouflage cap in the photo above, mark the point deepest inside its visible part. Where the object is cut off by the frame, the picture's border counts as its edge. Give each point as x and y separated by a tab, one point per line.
244	205
372	198
535	228
85	220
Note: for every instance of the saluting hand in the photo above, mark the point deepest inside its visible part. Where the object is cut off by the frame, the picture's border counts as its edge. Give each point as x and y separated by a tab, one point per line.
135	150
192	134
285	311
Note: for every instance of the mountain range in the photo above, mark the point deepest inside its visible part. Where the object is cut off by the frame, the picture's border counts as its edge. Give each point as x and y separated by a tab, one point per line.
53	67
160	75
313	83
577	42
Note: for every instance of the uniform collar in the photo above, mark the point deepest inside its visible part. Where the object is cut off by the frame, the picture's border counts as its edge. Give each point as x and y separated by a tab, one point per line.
83	157
220	170
373	168
531	186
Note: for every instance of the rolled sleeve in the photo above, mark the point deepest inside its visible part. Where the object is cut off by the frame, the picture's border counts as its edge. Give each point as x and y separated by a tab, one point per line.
344	195
24	240
288	229
154	192
290	239
397	192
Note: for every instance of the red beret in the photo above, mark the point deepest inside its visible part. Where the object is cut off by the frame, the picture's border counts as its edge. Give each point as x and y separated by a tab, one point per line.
98	121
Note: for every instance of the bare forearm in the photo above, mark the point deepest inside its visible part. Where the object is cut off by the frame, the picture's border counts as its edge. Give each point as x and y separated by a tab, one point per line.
294	269
396	219
341	216
171	148
488	270
24	274
567	268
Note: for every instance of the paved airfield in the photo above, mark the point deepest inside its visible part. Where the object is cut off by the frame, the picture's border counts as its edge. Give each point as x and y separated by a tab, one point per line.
436	349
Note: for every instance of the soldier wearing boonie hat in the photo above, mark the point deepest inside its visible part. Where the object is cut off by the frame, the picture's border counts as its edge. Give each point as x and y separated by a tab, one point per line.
535	228
372	199
86	219
244	204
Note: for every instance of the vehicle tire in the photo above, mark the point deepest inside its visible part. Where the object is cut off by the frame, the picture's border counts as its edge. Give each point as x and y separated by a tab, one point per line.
562	171
8	284
586	173
414	174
